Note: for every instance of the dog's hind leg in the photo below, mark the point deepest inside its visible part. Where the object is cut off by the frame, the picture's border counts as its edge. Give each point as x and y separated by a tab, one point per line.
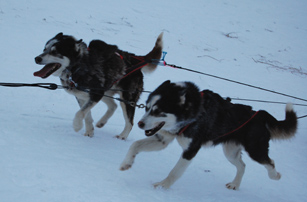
273	174
232	152
110	111
128	112
89	128
268	163
153	143
258	150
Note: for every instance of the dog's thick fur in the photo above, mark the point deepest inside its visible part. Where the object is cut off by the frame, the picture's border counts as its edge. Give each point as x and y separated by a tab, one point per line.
88	73
211	120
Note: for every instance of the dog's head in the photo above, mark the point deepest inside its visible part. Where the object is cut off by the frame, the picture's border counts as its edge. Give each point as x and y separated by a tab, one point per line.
59	52
170	107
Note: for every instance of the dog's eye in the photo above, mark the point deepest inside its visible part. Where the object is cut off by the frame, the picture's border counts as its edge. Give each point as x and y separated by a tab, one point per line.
53	51
157	112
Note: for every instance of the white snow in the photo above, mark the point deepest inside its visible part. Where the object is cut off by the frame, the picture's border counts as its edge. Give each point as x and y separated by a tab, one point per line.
262	43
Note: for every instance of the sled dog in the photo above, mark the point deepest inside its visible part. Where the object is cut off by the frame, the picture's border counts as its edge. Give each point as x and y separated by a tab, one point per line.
91	72
196	119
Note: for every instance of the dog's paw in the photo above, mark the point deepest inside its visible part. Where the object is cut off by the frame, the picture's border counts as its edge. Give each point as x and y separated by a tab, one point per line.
89	133
124	167
278	176
100	124
127	163
165	184
120	137
275	175
78	122
232	186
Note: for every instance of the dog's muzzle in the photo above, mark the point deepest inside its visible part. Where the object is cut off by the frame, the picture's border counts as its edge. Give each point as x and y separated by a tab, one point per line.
153	131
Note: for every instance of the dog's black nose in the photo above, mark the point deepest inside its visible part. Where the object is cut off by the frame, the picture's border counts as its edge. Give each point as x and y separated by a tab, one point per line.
38	59
141	124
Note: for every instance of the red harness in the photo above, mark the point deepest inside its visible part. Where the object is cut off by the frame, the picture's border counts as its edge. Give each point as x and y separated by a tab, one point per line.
129	71
136	67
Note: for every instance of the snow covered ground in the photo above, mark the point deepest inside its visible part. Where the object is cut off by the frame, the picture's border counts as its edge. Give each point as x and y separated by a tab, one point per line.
260	42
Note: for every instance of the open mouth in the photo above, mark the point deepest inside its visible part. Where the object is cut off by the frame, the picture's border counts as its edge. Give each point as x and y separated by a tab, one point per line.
47	70
154	130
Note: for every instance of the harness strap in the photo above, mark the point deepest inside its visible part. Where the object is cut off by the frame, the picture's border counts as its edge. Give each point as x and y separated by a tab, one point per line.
238	127
121	57
134	68
187	126
183	129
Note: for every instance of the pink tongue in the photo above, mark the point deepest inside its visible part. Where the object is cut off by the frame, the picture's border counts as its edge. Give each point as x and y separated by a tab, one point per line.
44	70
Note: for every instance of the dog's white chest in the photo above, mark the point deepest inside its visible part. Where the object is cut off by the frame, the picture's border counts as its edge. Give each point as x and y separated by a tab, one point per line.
184	142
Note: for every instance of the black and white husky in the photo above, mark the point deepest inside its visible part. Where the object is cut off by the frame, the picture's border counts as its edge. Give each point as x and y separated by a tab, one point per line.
91	72
179	110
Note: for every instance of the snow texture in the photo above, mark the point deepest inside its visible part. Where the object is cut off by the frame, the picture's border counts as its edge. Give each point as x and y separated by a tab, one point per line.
261	43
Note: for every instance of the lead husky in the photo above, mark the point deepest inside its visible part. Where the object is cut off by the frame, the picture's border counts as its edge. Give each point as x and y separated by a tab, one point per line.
179	110
89	72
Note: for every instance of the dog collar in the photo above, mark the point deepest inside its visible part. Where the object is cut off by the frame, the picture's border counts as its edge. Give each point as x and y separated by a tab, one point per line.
183	129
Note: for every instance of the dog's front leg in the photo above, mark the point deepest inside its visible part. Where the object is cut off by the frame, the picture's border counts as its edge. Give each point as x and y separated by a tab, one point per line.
89	128
153	143
190	148
175	174
85	109
110	111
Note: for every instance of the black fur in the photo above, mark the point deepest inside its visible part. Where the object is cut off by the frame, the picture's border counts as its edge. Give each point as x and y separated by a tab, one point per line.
196	119
212	116
95	70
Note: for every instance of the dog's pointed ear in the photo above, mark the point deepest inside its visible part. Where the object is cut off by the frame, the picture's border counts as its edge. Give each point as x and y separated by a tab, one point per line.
79	41
59	36
166	82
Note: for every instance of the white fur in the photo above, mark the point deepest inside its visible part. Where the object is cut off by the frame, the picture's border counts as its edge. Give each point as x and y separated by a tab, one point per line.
184	142
289	107
175	174
128	127
111	109
232	152
153	101
156	143
189	145
153	143
182	100
50	44
151	122
180	84
151	67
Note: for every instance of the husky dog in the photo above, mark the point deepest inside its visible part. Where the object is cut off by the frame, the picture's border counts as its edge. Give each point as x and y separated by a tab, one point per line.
179	110
91	72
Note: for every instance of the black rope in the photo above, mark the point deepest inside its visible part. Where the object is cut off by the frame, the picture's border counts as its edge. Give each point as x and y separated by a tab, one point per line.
265	101
300	117
233	81
50	86
53	86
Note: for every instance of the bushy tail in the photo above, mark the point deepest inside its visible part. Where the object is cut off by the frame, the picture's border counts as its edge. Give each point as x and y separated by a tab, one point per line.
284	129
155	53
